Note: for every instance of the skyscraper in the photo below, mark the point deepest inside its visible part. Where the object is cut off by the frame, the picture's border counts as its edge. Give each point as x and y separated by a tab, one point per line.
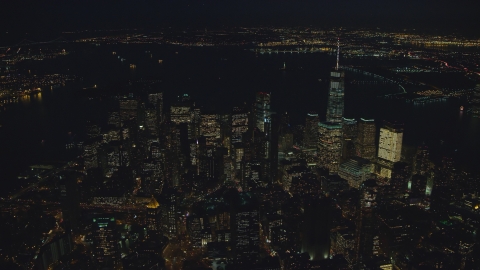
364	243
156	99
355	170
105	242
336	93
181	113
262	110
210	128
310	137
153	218
151	120
128	109
239	124
389	148
390	142
247	224
330	132
365	142
329	145
349	135
421	161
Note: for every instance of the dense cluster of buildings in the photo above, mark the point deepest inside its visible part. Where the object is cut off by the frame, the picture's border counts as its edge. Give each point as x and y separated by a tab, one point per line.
184	187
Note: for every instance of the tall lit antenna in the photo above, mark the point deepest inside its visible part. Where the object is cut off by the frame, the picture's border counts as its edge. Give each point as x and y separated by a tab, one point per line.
338	53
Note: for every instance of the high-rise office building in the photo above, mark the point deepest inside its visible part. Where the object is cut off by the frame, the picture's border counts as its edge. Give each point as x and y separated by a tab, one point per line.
329	145
114	119
310	136
285	141
366	229
210	128
169	212
270	148
390	142
181	112
336	94
128	109
195	225
90	152
153	219
349	135
365	142
262	109
151	120
156	99
247	223
105	242
355	170
239	124
421	161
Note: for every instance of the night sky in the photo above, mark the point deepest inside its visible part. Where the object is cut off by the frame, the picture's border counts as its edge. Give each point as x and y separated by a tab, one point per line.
37	16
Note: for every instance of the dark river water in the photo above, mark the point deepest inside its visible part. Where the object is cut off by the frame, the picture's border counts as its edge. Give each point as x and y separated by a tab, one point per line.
36	129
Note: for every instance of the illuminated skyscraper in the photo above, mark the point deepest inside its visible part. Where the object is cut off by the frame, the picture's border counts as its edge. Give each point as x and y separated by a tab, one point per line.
349	135
310	137
330	132
364	243
156	99
210	128
105	242
421	161
153	218
390	142
336	93
114	119
151	120
239	124
128	109
365	142
181	113
355	170
169	213
262	110
247	233
329	145
389	149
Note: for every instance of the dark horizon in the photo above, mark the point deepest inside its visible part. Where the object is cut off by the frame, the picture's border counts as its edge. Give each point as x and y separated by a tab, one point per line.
43	17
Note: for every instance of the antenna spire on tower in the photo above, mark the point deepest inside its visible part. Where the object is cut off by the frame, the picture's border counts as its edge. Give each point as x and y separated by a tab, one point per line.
338	53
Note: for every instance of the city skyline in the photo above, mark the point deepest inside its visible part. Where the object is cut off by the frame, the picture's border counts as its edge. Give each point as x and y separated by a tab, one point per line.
150	144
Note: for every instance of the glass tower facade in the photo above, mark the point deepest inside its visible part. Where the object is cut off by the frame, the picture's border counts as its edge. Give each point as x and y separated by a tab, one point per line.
329	145
365	143
390	143
336	96
262	109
